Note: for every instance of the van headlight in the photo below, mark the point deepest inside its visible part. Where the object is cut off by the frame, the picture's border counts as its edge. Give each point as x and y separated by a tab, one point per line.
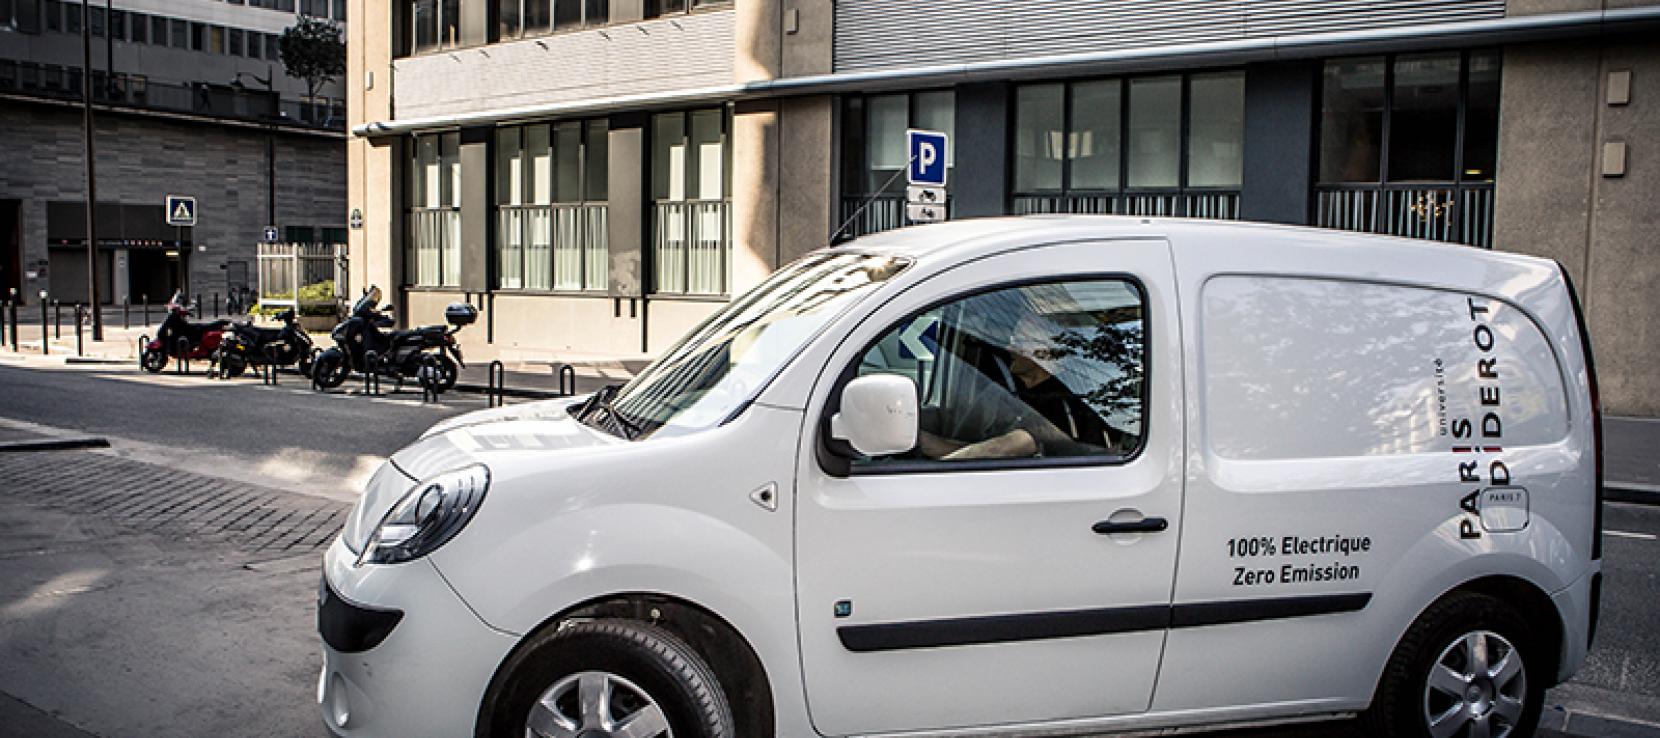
427	516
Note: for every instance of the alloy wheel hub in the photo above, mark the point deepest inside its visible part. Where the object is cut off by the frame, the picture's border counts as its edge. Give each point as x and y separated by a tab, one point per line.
1476	688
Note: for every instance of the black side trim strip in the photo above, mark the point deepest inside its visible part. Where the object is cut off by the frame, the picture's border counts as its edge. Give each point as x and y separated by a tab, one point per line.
1200	614
985	629
1001	628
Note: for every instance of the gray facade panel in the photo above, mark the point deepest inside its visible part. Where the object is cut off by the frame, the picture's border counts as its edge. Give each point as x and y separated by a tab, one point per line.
887	34
651	56
981	181
1279	135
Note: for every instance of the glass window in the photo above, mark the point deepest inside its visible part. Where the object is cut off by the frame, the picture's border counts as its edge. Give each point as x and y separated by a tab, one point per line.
1481	117
97	24
340	12
657	8
567	144
180	33
596	12
140	25
596	159
118	25
691	218
885	156
509	21
1351	120
538	15
198	37
567	14
424	19
235	45
1155	131
54	15
1039	137
71	18
1051	370
1423	118
1092	141
255	45
548	234
216	39
435	210
1216	129
449	23
720	366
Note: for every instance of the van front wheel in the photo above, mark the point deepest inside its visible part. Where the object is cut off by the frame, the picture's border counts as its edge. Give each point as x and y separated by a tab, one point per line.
1466	669
604	678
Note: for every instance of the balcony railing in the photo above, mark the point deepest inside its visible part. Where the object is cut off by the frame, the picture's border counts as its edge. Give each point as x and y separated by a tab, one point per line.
194	98
562	246
1219	204
1459	213
693	244
435	241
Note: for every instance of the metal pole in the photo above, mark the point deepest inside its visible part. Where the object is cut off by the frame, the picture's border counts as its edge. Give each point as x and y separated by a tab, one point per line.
57	319
146	299
15	324
80	348
44	339
91	171
126	315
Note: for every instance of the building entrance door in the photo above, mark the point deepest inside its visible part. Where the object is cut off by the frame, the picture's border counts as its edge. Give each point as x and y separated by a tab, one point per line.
11	248
152	274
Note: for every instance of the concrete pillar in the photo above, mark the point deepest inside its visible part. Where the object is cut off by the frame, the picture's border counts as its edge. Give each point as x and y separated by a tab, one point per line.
807	176
755	193
979	184
475	209
118	283
475	25
623	11
758	40
628	180
1279	135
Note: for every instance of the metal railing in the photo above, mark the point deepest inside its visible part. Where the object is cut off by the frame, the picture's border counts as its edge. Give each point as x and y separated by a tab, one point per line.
435	243
691	246
196	98
1217	204
1459	213
290	275
561	246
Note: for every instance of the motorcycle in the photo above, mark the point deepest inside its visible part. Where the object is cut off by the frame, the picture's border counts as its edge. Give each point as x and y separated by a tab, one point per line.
246	344
361	345
198	340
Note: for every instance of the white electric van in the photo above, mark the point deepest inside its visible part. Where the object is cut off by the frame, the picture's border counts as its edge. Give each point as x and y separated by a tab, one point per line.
1056	475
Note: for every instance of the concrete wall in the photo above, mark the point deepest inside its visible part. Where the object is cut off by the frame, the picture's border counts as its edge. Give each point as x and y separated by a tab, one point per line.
1552	199
142	159
374	180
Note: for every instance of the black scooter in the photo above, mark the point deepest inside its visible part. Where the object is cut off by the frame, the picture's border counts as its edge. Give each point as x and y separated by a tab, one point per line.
245	345
362	346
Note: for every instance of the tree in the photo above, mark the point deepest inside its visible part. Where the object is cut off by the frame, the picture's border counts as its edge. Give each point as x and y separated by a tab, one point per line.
313	50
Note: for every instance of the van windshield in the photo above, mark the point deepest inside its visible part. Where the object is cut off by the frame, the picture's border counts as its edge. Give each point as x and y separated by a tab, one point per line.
721	365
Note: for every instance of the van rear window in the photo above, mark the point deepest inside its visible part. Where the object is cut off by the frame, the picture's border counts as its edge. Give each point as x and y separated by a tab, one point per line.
1310	368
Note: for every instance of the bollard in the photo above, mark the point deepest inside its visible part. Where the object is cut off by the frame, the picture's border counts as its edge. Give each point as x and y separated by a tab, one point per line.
146	299
495	378
199	310
431	375
183	365
371	373
80	348
15	325
126	305
4	308
44	348
215	304
57	319
270	363
143	341
567	373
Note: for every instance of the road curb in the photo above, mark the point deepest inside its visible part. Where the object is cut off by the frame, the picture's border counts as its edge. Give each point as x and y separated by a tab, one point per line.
96	360
1576	723
1634	492
534	394
55	444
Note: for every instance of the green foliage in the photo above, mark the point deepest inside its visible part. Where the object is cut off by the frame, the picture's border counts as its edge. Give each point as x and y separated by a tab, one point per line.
316	299
314	50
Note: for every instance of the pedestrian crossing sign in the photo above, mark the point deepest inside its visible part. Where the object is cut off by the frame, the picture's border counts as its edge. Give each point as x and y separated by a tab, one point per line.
181	210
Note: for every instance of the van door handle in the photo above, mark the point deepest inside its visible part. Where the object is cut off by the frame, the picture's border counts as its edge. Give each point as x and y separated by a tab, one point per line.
1144	525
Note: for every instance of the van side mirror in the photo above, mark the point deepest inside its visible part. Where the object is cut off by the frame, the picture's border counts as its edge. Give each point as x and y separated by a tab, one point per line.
878	415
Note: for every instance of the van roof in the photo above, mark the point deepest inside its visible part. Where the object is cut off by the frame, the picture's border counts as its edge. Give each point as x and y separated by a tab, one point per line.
969	238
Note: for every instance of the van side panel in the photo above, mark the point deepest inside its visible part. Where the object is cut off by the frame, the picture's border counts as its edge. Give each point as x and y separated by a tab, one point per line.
1365	428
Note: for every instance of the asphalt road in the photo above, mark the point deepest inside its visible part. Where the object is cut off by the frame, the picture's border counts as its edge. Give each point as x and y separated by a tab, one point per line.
166	586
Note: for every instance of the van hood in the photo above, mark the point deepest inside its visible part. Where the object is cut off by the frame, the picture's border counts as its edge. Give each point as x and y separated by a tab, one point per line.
499	438
499	435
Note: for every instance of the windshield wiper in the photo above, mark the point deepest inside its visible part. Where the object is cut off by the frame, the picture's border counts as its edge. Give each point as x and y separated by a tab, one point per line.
601	400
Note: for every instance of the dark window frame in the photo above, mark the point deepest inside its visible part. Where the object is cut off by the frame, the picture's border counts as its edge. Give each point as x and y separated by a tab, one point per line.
654	205
837	464
1384	180
585	200
1124	190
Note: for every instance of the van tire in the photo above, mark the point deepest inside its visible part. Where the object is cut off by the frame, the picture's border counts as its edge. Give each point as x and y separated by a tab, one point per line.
1402	700
660	665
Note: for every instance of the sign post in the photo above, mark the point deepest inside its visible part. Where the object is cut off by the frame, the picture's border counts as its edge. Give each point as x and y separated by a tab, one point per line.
181	213
925	198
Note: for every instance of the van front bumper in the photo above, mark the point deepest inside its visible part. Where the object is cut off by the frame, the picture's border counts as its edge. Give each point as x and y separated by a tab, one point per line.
402	654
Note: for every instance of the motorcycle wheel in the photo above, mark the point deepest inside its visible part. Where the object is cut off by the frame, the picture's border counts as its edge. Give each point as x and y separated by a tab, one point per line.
153	361
330	371
232	366
451	373
304	365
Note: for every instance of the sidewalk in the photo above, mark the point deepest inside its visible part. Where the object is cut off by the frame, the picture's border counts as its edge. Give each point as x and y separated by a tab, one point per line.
1631	459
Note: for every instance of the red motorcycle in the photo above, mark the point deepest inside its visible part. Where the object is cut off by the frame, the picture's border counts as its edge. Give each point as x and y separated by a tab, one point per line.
178	337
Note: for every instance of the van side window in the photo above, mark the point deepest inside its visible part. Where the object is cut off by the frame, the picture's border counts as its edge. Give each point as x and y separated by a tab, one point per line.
1051	370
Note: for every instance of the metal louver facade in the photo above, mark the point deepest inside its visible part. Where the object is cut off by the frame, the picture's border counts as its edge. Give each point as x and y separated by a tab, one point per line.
891	34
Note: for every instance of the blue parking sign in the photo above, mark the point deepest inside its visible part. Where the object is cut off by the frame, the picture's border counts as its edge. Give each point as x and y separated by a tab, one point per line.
927	157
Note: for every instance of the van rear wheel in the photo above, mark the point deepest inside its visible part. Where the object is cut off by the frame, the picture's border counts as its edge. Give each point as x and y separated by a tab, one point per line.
1468	668
604	678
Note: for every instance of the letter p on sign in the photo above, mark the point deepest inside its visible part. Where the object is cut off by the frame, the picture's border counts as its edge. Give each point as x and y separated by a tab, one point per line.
927	157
